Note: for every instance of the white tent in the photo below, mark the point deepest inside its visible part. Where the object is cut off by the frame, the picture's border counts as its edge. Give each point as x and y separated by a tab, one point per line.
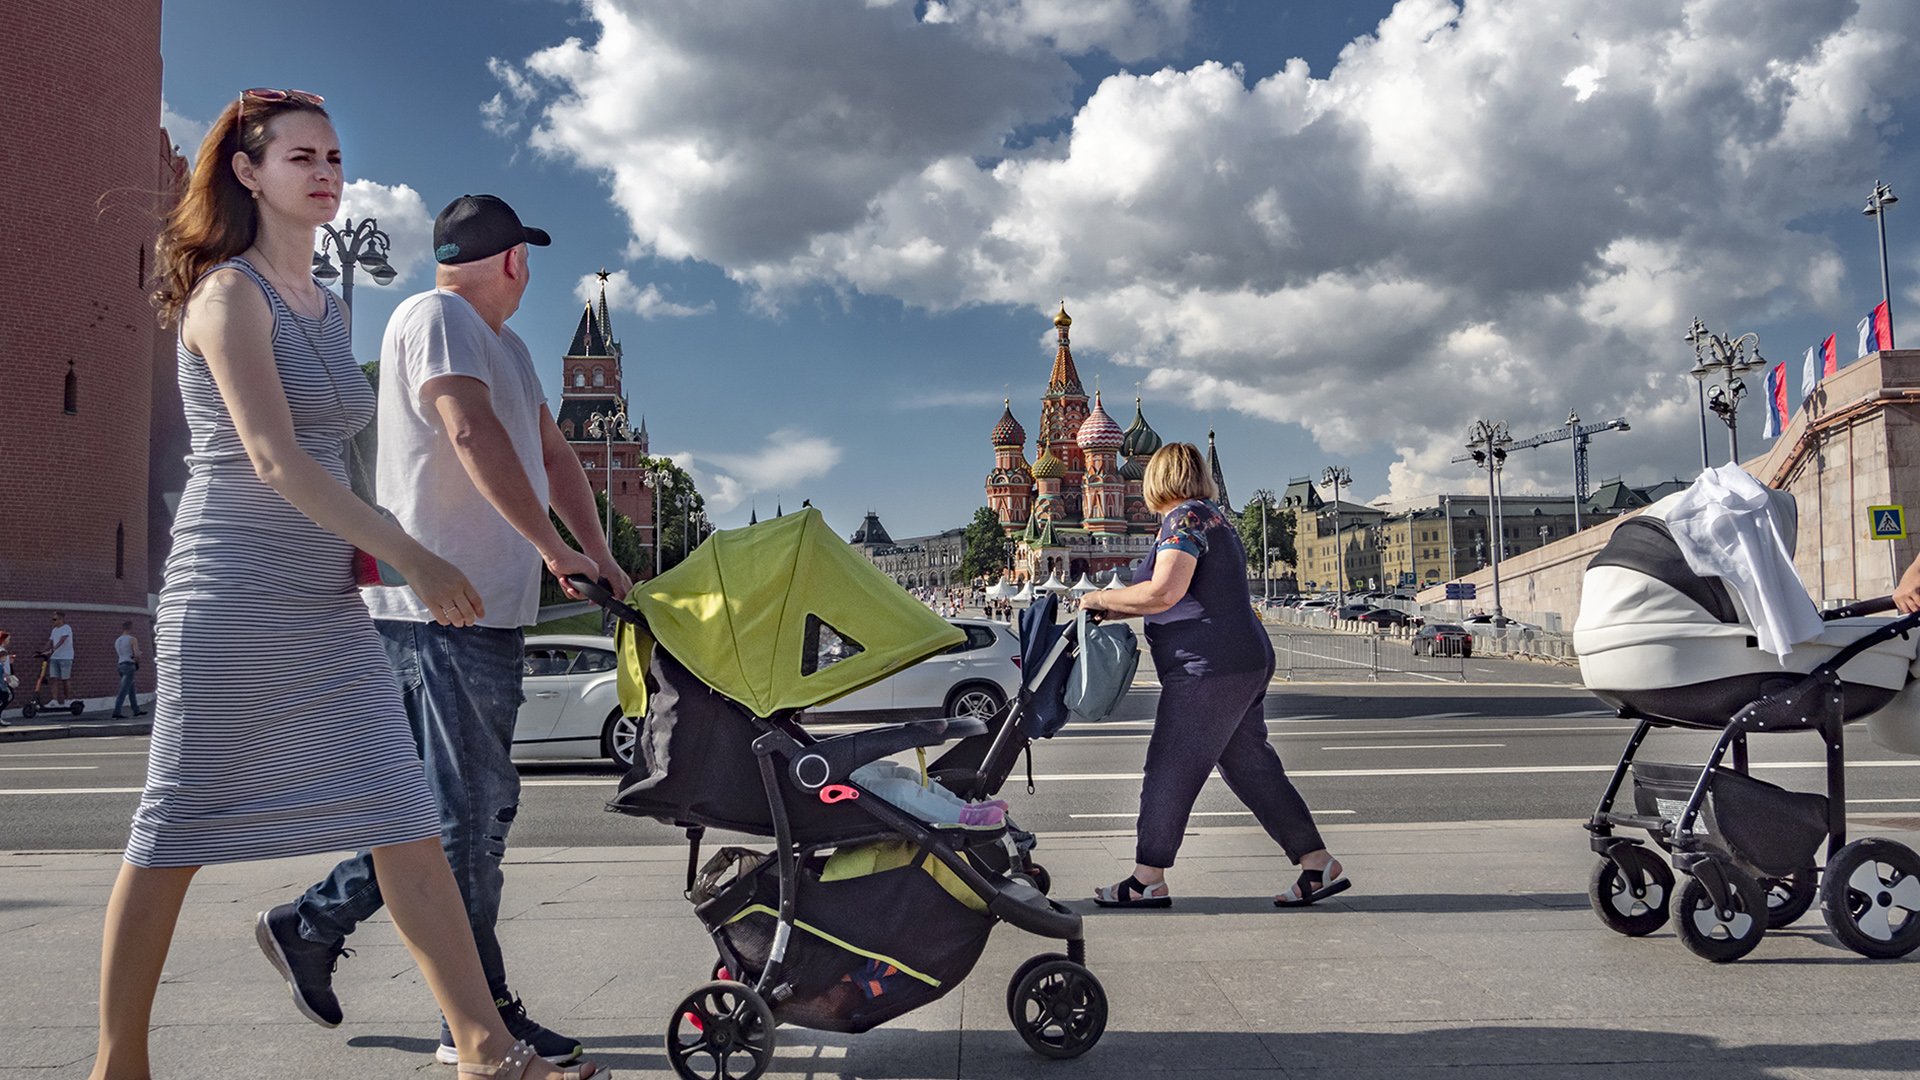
1025	595
1001	590
1084	586
1114	582
1054	584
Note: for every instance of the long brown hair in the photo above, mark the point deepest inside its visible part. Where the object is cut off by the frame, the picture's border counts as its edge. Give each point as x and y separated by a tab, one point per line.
216	220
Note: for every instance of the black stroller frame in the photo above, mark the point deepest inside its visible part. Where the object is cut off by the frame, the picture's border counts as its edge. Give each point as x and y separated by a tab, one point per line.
1057	1005
1750	867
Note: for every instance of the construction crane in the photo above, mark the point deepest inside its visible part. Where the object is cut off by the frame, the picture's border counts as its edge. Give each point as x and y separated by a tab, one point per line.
1581	434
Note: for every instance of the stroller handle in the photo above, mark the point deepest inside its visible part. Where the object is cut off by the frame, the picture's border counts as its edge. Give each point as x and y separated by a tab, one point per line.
601	593
1874	606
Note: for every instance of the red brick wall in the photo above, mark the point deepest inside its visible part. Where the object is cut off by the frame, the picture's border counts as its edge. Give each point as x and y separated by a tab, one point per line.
80	178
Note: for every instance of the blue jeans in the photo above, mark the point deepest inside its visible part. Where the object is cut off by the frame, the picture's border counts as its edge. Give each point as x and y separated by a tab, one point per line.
126	694
462	692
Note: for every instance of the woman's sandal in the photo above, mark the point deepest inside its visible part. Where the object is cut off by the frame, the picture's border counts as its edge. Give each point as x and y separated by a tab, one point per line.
520	1057
1130	893
1314	885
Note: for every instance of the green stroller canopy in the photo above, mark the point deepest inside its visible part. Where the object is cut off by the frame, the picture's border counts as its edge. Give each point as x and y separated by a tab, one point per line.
779	615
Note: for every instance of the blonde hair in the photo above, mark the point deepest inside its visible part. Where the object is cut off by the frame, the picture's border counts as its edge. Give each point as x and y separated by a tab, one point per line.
1176	473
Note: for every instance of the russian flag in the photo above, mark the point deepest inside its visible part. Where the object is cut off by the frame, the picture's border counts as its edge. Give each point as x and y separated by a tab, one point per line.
1776	401
1876	330
1830	354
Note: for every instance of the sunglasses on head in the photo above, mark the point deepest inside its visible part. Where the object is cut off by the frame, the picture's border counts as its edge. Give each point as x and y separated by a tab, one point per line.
271	95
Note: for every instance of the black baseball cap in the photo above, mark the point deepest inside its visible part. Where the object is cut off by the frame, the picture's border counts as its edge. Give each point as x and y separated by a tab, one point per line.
475	227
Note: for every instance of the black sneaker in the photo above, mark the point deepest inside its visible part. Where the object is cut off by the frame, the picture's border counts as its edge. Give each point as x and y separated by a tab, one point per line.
556	1048
307	966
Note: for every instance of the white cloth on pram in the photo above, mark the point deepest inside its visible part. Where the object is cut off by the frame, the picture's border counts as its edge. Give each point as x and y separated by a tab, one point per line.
1729	526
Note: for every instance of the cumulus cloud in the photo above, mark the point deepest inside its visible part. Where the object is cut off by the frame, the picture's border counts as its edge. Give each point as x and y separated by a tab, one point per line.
788	459
1506	208
1127	30
400	213
186	132
645	301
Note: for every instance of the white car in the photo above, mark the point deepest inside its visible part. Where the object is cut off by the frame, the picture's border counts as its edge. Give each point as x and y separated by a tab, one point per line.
572	707
973	678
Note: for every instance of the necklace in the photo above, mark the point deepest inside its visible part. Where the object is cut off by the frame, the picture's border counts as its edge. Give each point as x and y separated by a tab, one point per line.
284	285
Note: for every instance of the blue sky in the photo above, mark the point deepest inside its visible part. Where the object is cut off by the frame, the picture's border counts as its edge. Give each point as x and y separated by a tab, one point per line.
1336	233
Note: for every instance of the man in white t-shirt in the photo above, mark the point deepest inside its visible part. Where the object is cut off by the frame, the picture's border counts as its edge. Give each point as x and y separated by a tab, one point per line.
470	460
59	658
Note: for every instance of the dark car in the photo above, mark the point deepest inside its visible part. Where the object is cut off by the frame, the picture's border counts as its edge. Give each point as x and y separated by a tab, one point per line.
1442	639
1385	617
1353	611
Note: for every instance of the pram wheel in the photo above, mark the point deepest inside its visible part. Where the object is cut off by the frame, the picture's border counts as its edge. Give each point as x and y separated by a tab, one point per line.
1625	910
1013	1009
1036	876
1789	897
1870	896
717	1026
1722	935
1057	1006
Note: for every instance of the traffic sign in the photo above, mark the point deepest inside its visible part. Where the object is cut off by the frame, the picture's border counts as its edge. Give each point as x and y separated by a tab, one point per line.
1887	522
1461	590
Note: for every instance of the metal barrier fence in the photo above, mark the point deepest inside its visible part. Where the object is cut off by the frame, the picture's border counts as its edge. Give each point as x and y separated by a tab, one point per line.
1336	655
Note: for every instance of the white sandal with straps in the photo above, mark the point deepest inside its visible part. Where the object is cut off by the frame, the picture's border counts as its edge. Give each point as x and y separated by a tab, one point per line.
520	1057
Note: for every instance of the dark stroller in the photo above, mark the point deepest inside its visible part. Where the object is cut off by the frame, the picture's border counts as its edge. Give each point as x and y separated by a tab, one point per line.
726	651
1670	648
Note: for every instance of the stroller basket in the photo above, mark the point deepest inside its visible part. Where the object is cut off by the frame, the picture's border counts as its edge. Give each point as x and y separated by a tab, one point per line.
1757	824
863	950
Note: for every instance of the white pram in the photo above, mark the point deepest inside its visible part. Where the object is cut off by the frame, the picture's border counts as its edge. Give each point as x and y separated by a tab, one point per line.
1669	647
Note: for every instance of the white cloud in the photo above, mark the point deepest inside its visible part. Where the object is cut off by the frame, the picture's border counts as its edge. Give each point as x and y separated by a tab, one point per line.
1509	208
789	458
647	302
186	133
400	213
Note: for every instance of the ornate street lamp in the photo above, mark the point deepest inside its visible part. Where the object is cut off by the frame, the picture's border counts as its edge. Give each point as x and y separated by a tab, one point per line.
1487	440
1728	360
1877	203
610	425
1263	498
362	245
1337	475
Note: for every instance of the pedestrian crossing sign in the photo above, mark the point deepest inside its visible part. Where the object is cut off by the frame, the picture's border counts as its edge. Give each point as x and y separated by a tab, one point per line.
1887	522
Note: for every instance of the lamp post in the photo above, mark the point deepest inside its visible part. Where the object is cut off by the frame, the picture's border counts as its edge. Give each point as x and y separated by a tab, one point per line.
1337	475
1487	440
1877	203
1263	498
608	426
353	244
1728	360
656	477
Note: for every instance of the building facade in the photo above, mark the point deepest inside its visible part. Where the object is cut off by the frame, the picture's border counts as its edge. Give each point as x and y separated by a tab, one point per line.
592	385
917	562
1077	508
83	187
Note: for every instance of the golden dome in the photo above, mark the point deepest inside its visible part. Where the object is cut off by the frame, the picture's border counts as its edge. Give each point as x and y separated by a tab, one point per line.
1063	320
1048	467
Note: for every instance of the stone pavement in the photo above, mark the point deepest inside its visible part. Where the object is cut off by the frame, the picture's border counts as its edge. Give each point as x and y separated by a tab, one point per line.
1464	950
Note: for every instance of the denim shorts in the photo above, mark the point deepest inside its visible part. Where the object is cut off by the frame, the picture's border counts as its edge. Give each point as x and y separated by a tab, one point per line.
59	669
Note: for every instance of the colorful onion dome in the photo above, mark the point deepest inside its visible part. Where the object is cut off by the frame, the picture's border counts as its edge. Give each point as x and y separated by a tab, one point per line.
1048	467
1063	320
1008	431
1098	431
1141	440
1131	469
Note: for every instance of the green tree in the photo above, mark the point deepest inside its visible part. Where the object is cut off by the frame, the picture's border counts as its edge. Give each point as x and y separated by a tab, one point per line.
985	551
1279	535
682	511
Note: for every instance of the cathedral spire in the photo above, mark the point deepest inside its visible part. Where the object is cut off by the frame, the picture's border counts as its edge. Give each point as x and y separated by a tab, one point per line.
1065	379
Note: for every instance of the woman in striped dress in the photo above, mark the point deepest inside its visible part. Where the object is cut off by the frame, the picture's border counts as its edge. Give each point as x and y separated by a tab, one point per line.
278	727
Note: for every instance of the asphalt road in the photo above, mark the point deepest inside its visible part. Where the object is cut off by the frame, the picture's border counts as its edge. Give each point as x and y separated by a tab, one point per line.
1360	753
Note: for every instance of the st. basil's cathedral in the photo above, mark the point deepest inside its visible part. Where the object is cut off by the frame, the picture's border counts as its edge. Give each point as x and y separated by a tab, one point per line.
1077	509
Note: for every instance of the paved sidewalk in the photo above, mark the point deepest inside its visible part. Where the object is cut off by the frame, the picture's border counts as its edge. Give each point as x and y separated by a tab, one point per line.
1464	951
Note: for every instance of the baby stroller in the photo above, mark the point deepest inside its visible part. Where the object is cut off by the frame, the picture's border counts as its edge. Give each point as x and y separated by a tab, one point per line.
861	912
1671	648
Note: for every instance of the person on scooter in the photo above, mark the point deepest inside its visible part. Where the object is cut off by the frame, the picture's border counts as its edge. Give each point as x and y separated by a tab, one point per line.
59	652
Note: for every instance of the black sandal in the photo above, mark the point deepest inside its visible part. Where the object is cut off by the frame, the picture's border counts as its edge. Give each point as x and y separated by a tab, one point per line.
1130	893
1312	886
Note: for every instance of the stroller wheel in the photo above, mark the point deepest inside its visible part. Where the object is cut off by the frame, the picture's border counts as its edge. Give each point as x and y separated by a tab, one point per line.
1624	909
1058	1007
1013	1008
1722	935
1789	897
1870	896
1037	876
722	1031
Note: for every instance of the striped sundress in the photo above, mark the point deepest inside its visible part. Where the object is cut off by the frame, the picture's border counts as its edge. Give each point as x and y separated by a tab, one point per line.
278	727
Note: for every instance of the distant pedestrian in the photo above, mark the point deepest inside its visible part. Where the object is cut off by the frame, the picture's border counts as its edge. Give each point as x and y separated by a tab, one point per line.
1214	661
126	651
8	681
59	652
278	729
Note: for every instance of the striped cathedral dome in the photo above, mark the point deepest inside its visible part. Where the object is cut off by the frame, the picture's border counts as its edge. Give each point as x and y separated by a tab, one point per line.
1008	431
1098	431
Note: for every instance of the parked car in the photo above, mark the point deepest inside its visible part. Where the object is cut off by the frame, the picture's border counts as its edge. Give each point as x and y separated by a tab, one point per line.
1488	621
1385	617
1442	639
572	706
973	678
1353	611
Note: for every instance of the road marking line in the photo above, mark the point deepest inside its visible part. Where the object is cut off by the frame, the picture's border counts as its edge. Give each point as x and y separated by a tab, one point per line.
1425	746
1487	770
80	753
48	768
1211	813
73	791
1851	801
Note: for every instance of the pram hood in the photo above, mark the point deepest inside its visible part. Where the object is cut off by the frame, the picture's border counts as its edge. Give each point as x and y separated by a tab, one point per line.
779	615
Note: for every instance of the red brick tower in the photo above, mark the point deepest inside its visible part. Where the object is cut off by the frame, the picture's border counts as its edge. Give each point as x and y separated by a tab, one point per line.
1106	489
591	383
82	187
1010	484
1061	411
